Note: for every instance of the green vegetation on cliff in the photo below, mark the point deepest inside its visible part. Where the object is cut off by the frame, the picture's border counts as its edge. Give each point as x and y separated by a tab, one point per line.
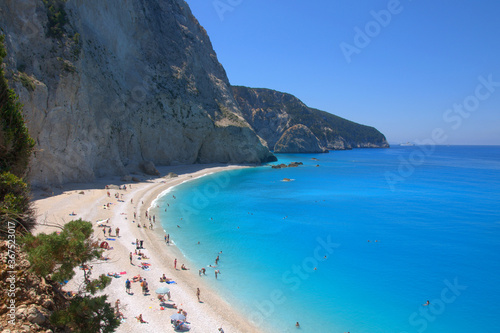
56	16
353	133
15	143
15	149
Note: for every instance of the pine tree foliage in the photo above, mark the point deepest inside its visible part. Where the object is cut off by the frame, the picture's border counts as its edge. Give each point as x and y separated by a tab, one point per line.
87	314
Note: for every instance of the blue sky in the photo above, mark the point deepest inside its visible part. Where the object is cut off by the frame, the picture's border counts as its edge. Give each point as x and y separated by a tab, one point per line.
407	67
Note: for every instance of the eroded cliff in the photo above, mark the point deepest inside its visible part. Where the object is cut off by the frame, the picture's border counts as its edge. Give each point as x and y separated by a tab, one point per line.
109	84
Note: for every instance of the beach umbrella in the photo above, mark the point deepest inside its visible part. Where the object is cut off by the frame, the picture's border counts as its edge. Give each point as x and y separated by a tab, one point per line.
178	316
162	290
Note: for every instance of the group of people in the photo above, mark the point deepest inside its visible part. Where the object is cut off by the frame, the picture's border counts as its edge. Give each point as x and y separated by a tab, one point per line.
117	231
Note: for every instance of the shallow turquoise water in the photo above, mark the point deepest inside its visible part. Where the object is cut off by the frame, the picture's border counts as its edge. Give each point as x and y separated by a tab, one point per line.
432	219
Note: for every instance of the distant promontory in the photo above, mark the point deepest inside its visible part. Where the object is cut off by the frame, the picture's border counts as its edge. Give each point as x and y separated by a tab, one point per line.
275	115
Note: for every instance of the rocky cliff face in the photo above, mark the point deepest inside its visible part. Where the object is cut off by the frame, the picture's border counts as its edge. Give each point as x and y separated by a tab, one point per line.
298	139
272	114
109	84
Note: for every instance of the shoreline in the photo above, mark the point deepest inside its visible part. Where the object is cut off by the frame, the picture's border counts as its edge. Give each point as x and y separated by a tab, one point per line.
89	202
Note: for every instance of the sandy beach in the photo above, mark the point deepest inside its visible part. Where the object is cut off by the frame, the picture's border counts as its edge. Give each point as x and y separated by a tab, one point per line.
89	201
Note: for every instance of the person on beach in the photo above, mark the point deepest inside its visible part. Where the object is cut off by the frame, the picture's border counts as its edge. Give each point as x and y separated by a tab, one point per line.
135	215
426	303
217	272
217	260
141	243
297	325
117	305
140	319
117	232
175	263
198	292
221	330
104	231
130	257
127	286
184	268
144	285
119	315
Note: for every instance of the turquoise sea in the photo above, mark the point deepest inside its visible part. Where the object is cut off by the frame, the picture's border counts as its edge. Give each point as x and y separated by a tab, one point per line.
356	244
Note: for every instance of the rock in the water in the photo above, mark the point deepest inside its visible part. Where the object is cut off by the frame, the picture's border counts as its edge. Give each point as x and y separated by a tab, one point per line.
295	164
298	139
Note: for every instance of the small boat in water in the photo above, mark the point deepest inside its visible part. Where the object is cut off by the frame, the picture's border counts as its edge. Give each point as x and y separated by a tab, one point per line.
408	144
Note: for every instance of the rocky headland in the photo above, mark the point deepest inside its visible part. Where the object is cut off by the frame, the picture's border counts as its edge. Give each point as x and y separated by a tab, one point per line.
272	114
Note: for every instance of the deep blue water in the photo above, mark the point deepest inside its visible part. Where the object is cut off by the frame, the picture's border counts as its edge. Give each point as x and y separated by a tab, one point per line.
398	227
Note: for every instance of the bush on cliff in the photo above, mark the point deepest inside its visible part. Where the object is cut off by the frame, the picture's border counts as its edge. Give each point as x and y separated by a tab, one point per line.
15	143
15	150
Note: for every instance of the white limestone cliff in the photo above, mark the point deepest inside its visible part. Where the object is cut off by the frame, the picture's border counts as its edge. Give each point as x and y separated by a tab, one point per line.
128	81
